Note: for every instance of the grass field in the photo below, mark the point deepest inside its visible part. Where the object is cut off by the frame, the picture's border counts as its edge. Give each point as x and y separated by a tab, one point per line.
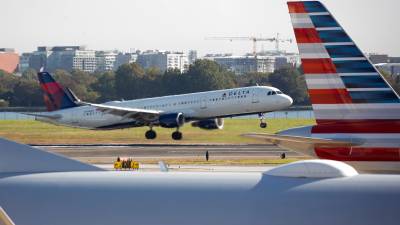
34	132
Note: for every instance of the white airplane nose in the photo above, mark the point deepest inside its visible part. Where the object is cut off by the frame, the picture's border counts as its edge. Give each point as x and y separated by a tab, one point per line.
288	100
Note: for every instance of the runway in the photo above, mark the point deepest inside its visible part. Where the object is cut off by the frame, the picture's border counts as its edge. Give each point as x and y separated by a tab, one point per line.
194	168
99	154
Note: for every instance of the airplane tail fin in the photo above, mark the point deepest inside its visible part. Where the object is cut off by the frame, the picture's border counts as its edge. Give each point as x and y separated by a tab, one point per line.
54	95
344	87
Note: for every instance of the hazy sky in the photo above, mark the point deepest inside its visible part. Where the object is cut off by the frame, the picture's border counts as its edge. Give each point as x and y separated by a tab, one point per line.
183	24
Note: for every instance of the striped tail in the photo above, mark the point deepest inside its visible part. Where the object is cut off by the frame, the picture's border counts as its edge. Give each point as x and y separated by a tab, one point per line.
344	87
54	95
350	98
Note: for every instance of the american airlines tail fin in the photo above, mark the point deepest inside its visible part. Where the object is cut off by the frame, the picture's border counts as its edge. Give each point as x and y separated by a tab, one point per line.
344	87
54	95
20	158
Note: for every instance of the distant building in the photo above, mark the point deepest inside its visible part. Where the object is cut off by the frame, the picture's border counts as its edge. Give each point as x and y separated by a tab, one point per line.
61	57
163	60
378	58
265	62
192	56
392	69
9	60
85	60
24	62
125	58
106	60
244	64
394	59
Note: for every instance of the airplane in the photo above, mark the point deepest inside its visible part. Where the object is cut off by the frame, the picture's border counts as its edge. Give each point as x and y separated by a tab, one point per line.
42	188
205	110
357	112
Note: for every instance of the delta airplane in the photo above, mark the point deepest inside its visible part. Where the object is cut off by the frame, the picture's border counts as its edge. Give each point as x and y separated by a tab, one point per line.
41	188
357	112
205	110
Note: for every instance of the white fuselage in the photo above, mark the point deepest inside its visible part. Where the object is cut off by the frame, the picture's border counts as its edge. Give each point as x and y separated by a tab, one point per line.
194	106
187	198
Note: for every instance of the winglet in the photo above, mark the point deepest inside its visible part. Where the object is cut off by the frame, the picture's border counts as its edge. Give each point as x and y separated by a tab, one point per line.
20	158
163	166
4	218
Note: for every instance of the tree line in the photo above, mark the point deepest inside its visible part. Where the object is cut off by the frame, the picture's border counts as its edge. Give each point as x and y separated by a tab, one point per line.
131	81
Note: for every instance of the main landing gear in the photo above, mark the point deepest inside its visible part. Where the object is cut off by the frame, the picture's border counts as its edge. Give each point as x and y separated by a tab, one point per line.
263	124
150	134
177	135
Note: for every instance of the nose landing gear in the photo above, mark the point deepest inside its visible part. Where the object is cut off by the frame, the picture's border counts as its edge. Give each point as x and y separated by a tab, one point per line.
263	124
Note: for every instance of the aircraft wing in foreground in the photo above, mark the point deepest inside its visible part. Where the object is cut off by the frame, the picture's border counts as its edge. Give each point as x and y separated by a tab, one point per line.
41	188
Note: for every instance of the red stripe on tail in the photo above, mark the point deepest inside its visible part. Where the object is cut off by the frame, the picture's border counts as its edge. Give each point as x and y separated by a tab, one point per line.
329	96
296	7
318	66
306	35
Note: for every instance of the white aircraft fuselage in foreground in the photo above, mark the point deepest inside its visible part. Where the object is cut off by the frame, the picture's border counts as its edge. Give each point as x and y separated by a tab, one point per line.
204	109
40	188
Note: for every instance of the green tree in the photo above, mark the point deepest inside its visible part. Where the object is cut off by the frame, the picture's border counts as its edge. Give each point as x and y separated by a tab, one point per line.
7	84
290	81
79	82
105	86
27	93
128	80
29	74
205	75
251	79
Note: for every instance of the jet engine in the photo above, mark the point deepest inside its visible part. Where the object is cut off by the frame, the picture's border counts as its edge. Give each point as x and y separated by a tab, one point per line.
210	124
171	120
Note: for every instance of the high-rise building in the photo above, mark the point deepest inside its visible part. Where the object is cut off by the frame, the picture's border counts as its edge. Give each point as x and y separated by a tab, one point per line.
106	60
9	60
192	56
85	60
24	62
164	60
125	58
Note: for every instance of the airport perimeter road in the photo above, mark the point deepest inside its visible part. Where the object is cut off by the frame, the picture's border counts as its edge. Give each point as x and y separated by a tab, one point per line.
108	153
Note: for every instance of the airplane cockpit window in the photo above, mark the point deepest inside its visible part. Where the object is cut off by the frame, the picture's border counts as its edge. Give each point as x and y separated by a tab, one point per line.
269	93
279	92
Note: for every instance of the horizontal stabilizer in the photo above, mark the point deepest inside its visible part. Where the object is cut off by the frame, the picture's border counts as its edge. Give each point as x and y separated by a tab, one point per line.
20	158
305	145
53	117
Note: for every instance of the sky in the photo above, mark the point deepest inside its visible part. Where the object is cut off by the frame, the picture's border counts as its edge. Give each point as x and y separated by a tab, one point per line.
182	25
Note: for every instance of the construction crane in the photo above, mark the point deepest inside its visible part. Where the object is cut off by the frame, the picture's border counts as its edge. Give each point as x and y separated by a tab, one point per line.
254	39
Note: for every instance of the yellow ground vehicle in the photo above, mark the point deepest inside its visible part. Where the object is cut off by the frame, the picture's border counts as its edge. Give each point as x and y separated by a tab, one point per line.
126	164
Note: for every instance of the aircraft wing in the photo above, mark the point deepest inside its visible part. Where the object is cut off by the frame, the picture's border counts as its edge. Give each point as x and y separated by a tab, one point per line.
126	112
305	145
